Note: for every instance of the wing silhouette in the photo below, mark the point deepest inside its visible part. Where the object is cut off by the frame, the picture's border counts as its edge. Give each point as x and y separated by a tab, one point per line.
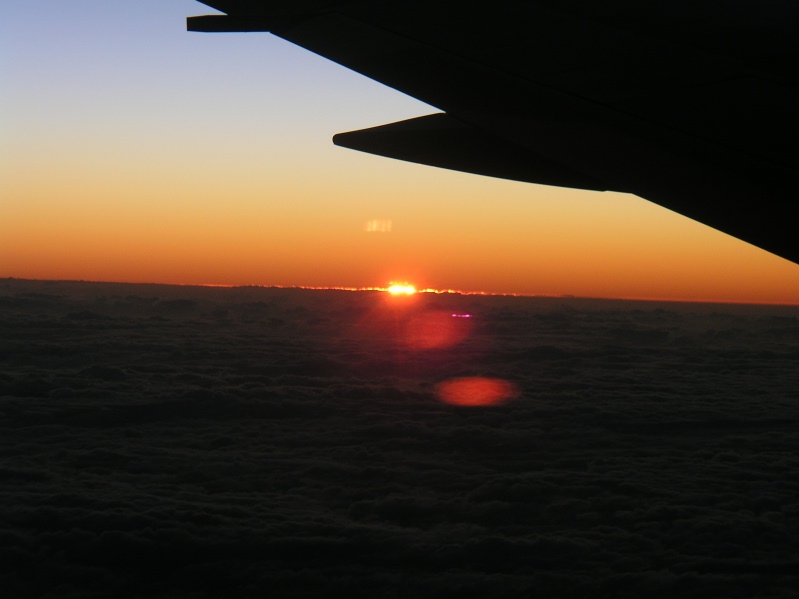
691	105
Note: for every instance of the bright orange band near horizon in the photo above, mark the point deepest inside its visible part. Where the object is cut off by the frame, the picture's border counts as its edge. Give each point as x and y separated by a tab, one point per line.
58	232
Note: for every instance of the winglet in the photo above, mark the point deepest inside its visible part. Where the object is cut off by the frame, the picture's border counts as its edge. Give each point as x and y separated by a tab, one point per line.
442	141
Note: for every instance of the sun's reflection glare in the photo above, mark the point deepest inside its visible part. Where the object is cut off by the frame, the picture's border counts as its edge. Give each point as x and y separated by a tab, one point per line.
428	325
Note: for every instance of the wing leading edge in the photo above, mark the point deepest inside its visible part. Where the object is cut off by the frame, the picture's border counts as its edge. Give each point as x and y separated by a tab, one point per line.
671	103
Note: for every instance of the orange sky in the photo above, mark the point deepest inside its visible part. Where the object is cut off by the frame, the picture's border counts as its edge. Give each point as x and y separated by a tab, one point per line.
139	152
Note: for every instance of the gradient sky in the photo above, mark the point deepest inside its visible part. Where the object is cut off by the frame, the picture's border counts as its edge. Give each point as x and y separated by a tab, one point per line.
132	150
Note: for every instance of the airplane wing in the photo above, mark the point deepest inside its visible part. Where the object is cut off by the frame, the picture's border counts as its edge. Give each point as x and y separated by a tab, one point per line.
691	105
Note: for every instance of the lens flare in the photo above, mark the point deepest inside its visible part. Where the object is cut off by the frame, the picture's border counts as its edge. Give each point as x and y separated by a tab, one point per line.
378	226
476	391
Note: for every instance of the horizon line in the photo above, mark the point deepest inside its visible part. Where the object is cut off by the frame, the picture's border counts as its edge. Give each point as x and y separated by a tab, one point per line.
425	290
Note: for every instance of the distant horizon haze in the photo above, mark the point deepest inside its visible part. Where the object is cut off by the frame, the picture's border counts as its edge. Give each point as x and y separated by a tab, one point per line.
387	289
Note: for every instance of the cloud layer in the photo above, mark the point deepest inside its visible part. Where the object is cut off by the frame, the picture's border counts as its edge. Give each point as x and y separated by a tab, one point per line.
179	442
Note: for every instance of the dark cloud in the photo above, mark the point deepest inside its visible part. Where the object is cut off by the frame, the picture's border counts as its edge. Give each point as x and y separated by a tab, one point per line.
185	442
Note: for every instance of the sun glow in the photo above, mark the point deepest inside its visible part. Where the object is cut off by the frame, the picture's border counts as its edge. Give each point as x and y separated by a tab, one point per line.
401	289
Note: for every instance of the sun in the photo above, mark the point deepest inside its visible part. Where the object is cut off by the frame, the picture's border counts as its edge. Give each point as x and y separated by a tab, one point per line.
401	289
